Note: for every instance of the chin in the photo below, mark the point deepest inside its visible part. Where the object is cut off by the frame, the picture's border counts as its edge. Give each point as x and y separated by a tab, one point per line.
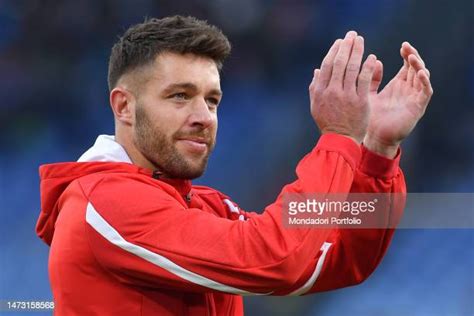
189	174
188	169
196	172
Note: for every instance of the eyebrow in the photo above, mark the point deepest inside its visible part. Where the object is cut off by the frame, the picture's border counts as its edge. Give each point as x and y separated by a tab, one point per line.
188	86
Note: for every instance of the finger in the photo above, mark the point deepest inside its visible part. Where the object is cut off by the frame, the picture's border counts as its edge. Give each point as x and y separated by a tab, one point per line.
411	74
326	66
417	83
316	74
365	76
416	63
425	83
353	66
424	95
315	79
407	50
341	59
403	72
377	77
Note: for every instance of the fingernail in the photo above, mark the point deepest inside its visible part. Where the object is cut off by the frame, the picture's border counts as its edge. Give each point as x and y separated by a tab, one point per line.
351	34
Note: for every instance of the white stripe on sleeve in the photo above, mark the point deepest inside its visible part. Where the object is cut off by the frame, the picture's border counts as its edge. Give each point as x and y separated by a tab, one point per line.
108	232
319	265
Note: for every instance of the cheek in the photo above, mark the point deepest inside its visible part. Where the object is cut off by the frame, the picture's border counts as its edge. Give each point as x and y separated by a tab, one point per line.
215	125
167	120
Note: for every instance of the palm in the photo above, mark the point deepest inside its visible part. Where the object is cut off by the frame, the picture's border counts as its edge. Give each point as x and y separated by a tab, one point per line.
395	111
399	106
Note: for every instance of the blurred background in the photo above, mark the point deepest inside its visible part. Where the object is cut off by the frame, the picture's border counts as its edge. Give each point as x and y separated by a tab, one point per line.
54	102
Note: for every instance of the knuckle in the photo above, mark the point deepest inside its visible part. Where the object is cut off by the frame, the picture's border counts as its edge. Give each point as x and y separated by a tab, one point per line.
363	77
352	67
370	67
324	63
336	77
333	93
339	61
316	93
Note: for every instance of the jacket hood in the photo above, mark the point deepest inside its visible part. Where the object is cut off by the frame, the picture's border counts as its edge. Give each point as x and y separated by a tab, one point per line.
106	155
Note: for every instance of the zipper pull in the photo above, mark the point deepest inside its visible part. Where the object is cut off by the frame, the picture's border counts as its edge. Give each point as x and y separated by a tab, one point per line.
188	197
156	174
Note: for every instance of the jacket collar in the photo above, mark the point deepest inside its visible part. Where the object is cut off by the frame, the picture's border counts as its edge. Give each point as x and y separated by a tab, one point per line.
107	149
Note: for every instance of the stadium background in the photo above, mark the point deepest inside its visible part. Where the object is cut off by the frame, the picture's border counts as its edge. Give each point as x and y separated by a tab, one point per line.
54	102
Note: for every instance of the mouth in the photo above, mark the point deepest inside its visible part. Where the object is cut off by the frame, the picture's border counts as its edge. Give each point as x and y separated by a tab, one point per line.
194	144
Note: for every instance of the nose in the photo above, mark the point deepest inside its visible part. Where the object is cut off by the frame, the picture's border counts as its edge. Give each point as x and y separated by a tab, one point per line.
201	115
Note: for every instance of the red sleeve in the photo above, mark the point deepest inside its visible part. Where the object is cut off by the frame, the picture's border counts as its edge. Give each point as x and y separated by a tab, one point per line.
349	256
145	236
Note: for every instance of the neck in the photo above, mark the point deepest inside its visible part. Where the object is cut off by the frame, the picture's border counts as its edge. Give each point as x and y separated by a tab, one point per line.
137	158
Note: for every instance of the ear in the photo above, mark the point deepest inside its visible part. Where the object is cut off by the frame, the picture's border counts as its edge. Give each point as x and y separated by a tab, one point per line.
122	103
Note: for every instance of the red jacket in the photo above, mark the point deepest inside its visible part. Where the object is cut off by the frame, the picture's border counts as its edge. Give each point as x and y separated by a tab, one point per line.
125	243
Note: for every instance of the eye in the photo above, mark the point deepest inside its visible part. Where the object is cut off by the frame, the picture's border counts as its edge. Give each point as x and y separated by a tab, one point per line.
179	96
213	102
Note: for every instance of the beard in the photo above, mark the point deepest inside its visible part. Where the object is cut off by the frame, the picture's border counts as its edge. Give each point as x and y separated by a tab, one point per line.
160	148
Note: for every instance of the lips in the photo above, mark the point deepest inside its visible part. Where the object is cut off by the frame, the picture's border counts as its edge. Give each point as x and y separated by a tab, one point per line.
194	144
200	140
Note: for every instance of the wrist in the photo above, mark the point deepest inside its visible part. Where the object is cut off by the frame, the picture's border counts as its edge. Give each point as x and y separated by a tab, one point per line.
383	149
354	139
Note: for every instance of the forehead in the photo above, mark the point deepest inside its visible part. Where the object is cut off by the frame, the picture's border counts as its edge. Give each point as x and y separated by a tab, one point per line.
171	68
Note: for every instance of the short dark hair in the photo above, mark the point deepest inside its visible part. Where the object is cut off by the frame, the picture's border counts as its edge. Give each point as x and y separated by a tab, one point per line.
143	42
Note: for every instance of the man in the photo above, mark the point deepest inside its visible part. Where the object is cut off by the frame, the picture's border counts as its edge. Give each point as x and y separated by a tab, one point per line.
130	234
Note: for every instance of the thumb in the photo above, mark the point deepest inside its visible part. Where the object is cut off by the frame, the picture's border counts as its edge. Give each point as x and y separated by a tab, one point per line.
365	76
376	77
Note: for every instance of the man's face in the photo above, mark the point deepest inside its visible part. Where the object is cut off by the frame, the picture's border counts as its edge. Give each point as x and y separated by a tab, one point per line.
176	114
